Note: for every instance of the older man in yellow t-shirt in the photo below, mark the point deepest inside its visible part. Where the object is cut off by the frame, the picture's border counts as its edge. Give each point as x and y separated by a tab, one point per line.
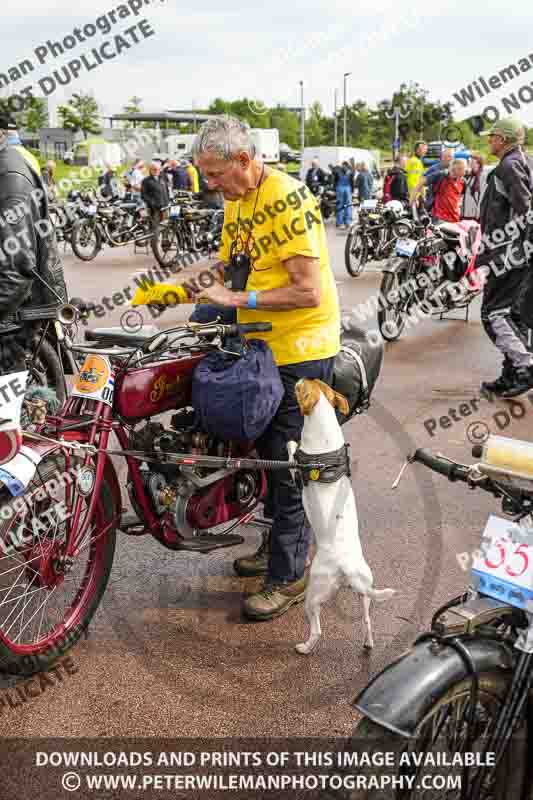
275	220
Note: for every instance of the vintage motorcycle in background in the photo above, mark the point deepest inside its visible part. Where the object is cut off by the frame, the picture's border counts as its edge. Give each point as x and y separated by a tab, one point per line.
432	269
372	236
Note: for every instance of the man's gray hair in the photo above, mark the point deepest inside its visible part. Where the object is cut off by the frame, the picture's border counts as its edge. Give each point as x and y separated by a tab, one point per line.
224	136
460	161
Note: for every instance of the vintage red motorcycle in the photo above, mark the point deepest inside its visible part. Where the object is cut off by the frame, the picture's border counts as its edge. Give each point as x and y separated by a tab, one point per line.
57	537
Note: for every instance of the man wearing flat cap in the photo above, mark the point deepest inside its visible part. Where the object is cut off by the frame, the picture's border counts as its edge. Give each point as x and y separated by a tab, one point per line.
504	225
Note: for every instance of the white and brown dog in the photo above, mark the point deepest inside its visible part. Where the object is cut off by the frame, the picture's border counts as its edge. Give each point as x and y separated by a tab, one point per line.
332	514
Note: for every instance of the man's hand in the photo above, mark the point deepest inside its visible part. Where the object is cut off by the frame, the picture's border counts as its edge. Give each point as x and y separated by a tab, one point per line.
217	294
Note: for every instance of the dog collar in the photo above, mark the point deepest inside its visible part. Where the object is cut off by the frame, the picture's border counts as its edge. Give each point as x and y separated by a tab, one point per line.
334	465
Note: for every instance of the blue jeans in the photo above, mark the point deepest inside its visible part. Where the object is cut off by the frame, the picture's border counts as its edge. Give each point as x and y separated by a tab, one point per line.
291	533
344	205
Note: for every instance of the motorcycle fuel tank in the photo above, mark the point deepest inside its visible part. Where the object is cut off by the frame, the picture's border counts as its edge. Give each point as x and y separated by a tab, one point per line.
155	388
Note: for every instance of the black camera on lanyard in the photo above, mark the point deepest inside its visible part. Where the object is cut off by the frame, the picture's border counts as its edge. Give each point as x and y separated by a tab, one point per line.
238	271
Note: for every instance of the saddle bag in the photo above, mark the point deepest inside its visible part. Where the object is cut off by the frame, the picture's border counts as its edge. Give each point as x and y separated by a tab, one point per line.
356	368
236	398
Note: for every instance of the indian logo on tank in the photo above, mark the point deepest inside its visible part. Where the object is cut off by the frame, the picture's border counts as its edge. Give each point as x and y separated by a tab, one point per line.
162	388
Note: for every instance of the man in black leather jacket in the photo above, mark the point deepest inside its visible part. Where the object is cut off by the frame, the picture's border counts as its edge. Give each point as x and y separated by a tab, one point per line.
504	219
28	249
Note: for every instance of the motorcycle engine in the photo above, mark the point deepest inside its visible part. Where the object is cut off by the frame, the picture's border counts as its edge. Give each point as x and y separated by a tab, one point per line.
191	497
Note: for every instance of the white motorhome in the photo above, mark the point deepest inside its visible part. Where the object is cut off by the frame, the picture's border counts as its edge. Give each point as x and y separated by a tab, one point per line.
266	141
336	155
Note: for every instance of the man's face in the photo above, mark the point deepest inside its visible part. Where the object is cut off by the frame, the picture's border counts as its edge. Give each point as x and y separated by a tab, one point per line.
421	150
496	144
232	178
155	169
446	158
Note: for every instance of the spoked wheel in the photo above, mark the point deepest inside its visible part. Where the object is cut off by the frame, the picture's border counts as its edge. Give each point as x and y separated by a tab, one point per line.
86	240
48	598
392	318
425	763
166	245
355	252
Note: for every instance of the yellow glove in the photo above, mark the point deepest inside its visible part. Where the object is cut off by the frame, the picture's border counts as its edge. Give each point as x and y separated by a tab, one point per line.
165	294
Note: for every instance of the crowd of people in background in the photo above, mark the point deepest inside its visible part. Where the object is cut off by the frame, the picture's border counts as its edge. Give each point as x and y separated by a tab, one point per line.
346	179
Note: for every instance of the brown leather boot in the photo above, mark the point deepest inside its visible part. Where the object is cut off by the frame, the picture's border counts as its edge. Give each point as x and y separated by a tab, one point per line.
256	563
274	599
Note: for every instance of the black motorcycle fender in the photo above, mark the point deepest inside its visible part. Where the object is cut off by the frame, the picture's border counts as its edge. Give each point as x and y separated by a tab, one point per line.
400	696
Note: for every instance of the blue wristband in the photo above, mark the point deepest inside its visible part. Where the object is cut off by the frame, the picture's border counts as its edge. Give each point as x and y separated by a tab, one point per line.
252	299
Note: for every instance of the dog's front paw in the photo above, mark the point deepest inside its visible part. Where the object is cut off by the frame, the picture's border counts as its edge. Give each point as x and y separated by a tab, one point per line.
306	647
292	447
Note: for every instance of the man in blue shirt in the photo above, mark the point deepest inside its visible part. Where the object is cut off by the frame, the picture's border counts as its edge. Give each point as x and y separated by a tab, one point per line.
364	183
344	188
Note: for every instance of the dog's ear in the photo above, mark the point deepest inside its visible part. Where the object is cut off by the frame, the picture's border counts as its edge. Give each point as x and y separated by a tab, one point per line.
335	399
341	403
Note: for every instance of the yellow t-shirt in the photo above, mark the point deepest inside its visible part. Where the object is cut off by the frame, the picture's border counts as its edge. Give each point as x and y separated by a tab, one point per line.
287	223
193	175
414	169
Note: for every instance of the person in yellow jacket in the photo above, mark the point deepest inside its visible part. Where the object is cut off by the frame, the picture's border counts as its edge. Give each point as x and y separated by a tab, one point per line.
414	167
193	175
14	140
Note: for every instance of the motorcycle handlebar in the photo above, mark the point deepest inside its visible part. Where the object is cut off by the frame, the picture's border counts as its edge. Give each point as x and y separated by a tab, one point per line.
450	470
248	327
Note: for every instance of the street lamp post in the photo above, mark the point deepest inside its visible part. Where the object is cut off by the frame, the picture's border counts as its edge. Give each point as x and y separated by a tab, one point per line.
336	120
344	136
302	121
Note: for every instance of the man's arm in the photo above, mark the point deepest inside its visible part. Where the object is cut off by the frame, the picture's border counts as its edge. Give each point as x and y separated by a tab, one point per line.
516	180
302	291
18	252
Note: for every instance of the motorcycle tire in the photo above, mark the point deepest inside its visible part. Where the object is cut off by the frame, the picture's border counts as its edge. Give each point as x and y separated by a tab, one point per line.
509	781
48	371
24	657
170	236
355	253
391	321
75	242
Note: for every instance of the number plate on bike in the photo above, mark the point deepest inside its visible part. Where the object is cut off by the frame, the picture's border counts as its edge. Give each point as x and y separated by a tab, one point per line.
405	247
95	380
174	211
91	210
504	564
369	205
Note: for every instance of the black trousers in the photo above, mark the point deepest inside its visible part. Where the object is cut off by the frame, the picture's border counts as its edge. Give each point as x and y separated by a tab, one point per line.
291	533
502	317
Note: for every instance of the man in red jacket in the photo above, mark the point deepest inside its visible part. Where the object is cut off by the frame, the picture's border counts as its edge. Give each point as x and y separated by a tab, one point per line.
448	187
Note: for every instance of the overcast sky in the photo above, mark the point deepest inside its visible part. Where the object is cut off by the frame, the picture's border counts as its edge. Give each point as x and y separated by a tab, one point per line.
203	50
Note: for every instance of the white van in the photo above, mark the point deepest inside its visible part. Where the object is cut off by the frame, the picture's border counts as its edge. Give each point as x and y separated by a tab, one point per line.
336	155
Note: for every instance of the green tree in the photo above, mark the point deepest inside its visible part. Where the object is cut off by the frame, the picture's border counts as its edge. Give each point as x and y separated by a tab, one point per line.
80	114
35	116
315	128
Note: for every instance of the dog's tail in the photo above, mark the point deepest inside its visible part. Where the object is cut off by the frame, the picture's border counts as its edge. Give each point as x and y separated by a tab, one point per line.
379	595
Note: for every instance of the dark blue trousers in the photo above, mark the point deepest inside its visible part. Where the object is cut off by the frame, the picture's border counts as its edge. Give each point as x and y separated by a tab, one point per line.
291	534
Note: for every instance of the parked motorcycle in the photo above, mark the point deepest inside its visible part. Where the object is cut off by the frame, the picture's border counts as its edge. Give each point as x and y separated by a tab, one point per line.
372	236
189	229
64	215
327	198
466	685
115	224
432	270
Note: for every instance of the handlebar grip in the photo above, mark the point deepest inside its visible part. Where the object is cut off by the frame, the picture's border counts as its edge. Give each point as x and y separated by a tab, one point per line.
253	327
450	470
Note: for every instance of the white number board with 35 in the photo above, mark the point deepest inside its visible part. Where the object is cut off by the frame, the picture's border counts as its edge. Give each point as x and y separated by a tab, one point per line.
504	564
